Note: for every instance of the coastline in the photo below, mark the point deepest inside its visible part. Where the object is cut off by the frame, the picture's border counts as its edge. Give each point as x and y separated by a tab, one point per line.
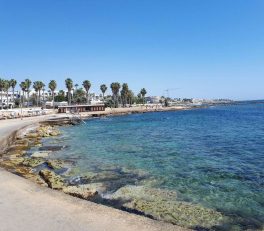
14	187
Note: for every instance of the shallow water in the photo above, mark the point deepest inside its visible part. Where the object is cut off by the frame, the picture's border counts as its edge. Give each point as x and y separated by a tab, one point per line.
213	157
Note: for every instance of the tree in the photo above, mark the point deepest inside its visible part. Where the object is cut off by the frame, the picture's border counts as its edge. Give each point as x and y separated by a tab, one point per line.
87	85
23	88
130	96
69	86
43	92
60	97
6	89
2	85
28	85
13	84
143	92
115	90
52	87
103	88
124	93
38	86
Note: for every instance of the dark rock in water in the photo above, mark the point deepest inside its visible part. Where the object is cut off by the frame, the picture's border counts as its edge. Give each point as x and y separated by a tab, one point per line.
51	148
54	181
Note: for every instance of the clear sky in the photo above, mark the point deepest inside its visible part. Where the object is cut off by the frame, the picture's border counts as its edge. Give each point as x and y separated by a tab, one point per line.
205	48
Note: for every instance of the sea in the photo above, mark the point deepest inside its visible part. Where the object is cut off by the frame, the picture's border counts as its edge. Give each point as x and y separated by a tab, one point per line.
212	157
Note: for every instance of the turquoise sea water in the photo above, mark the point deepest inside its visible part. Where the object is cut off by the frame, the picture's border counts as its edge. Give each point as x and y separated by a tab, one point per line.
213	157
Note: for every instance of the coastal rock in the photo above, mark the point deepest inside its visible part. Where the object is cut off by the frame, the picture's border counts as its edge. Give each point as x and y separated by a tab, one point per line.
54	181
27	173
40	154
18	147
46	131
33	162
23	142
32	135
57	164
163	205
81	191
11	163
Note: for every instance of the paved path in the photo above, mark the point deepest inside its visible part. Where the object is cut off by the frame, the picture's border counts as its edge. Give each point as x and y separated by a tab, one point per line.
25	206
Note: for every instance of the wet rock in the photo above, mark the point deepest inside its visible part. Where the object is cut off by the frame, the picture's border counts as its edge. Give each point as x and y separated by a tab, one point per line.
144	193
33	162
163	205
57	164
40	154
81	191
54	181
101	188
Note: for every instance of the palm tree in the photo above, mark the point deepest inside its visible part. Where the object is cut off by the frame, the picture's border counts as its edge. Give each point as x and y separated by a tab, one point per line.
13	84
103	88
52	87
2	85
37	87
115	87
6	89
87	85
69	86
124	93
143	92
27	84
43	92
23	88
130	96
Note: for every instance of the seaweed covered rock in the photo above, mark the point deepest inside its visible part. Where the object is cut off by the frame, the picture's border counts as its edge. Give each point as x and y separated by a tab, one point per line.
81	191
53	180
163	205
33	162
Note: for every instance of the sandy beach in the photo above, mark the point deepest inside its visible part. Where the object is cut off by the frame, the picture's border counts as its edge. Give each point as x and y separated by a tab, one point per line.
28	206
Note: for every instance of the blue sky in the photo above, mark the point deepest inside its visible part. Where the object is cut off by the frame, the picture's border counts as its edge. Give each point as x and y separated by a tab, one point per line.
205	48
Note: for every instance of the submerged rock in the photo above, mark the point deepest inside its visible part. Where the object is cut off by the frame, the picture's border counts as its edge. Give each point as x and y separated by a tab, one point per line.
81	191
58	164
163	205
51	148
53	180
40	154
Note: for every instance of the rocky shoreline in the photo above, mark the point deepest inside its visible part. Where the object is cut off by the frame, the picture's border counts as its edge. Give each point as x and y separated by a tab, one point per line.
132	197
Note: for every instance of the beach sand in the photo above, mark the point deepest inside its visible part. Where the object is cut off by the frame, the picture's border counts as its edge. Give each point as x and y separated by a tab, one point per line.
25	205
